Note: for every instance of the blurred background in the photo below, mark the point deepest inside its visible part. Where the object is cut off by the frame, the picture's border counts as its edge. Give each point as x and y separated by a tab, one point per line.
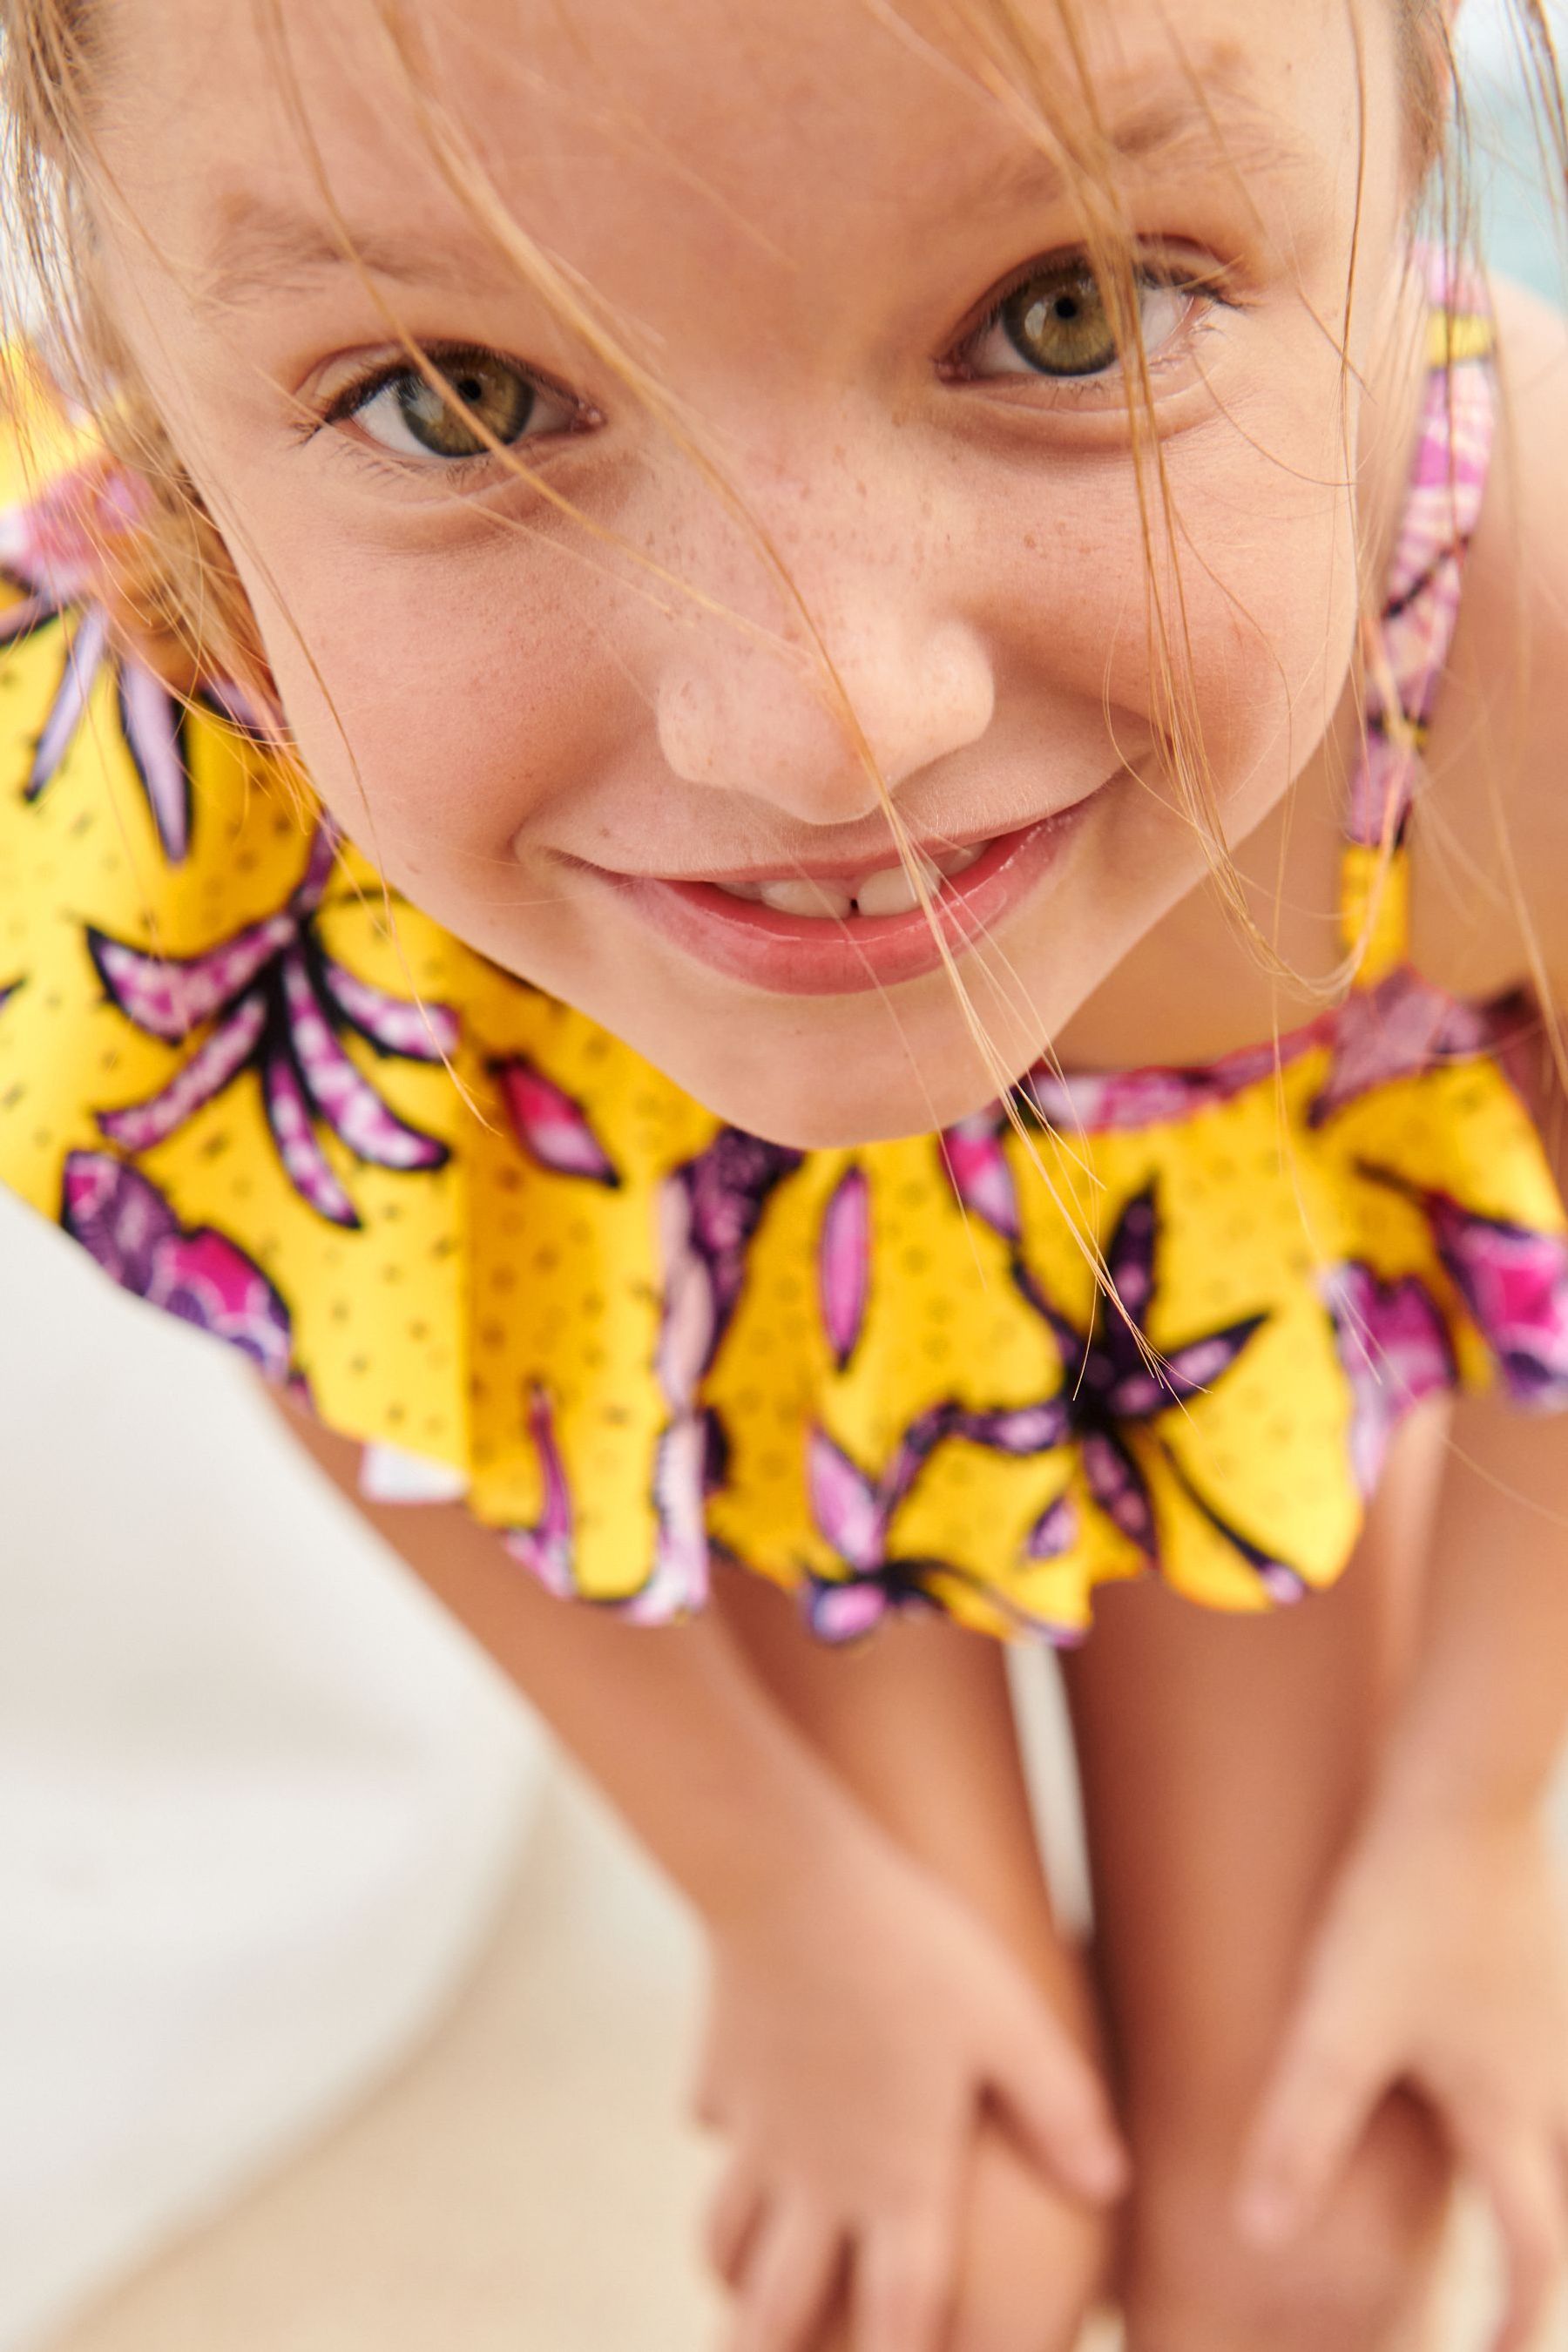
336	2014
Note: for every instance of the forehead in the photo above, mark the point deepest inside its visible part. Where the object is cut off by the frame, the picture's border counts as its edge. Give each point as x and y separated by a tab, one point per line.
780	124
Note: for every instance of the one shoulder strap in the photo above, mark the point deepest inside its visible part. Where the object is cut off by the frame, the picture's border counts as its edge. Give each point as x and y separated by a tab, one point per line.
1408	648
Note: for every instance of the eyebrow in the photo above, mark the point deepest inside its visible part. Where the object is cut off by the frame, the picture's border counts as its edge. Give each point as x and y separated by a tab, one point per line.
263	248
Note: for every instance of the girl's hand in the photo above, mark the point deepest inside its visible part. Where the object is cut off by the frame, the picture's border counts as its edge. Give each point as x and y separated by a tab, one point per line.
1443	1964
858	2028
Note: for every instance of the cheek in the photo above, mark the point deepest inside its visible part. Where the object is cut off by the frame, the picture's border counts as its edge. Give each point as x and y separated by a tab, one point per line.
439	702
1260	617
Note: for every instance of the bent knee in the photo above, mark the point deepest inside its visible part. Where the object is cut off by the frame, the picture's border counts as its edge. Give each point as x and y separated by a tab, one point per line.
1351	2284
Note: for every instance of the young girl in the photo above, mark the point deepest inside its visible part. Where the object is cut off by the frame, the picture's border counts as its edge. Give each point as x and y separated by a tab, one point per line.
746	803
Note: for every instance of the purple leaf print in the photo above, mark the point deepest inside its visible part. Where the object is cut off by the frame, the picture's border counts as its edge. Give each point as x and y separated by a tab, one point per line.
545	1549
728	1187
155	727
347	1102
277	1004
709	1211
1055	1532
305	1164
170	996
913	1451
198	1275
1394	1347
1019	1429
1514	1281
85	648
408	1033
980	1174
55	550
1115	1381
210	1069
1120	1489
1176	1378
846	1505
551	1126
844	1263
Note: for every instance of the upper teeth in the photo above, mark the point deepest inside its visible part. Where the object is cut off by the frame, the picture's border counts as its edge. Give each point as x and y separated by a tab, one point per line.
888	892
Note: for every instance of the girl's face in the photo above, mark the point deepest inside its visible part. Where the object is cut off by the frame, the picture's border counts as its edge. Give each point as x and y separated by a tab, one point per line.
605	755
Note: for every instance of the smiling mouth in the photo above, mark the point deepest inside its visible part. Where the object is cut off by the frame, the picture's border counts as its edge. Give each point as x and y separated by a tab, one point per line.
846	926
882	890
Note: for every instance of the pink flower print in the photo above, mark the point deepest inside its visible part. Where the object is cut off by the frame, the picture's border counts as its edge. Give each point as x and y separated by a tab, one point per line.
269	998
1394	1347
974	1155
1397	1030
197	1275
1514	1282
551	1127
52	544
545	1549
844	1263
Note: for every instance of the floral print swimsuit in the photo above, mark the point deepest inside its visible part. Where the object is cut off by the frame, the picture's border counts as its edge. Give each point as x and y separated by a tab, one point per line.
521	1267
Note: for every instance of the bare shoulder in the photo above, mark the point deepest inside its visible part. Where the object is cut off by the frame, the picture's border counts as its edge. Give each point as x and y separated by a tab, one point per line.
1493	848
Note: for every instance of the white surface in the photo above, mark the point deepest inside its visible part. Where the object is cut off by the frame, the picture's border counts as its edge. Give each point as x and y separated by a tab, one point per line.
259	1799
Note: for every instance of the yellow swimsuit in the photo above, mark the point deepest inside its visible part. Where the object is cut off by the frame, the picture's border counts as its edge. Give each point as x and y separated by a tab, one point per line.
630	1336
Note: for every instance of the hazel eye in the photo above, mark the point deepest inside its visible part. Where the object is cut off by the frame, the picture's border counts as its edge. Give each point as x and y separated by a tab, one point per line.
1057	322
401	411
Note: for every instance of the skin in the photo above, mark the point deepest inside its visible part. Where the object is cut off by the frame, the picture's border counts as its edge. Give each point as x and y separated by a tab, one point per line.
489	694
483	692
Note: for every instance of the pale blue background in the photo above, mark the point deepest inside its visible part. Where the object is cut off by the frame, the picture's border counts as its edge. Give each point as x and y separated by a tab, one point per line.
1525	235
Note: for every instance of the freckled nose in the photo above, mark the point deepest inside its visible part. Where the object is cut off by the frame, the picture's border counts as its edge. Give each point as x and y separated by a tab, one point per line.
760	719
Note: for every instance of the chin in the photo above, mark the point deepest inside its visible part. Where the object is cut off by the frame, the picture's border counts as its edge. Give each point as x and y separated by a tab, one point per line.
835	1100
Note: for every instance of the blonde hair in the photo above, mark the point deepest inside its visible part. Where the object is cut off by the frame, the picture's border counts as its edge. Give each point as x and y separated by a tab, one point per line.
172	582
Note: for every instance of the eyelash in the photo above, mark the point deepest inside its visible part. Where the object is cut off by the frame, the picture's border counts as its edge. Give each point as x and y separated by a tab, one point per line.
346	403
1208	288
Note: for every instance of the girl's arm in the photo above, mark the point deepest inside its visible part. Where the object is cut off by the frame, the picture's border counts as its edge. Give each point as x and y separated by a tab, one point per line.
1443	1957
918	1724
866	2012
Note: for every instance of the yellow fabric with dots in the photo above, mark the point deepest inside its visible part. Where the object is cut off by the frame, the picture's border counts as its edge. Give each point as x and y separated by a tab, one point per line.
466	1294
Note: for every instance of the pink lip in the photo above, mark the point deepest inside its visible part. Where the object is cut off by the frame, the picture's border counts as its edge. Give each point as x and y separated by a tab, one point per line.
799	955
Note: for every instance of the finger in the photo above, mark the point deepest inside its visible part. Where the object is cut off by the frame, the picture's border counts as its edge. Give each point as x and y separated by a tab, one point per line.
732	2218
1052	2096
904	2281
790	2276
1311	2119
1520	2177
